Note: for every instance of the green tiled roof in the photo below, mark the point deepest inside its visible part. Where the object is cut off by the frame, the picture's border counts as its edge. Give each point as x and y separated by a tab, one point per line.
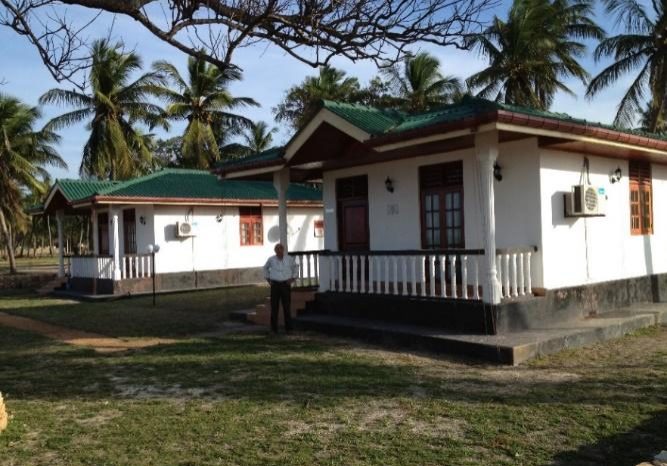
191	184
379	122
74	190
267	156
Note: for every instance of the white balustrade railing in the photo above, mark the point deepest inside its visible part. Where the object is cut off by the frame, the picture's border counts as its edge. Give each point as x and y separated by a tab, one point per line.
514	271
136	266
309	268
91	267
102	267
452	274
440	274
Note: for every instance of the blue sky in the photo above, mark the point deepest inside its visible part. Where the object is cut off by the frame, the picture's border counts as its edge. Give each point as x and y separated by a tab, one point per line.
268	72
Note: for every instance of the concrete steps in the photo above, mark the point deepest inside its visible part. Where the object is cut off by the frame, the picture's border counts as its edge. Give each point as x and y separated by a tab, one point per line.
261	314
510	348
51	286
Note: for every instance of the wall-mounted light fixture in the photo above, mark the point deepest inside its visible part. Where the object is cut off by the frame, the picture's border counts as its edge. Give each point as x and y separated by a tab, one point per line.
389	184
497	171
142	220
218	218
615	176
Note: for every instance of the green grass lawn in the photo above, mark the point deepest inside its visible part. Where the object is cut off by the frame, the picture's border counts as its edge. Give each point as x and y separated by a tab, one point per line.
174	315
251	399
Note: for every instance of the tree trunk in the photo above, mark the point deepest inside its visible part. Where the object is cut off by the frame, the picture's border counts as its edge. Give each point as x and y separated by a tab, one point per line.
9	242
48	227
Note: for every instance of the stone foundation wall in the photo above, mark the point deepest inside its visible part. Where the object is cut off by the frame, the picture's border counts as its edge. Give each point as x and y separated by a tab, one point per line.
169	281
567	304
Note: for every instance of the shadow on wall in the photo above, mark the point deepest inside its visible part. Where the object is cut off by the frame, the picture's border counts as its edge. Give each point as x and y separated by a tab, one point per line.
301	239
273	234
558	210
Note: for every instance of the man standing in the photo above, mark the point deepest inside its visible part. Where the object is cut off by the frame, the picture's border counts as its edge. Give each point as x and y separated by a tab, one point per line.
280	271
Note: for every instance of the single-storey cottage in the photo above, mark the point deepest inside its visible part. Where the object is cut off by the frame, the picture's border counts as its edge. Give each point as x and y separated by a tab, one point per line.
208	232
480	216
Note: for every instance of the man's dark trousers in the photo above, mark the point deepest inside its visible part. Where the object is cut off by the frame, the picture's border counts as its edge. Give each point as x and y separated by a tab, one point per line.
280	293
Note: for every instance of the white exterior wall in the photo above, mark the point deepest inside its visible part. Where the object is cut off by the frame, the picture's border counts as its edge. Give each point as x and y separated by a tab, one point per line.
401	230
596	249
217	244
516	200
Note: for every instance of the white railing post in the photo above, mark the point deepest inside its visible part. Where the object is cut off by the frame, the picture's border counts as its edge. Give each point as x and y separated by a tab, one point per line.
431	274
452	271
529	285
515	292
464	277
404	276
422	274
443	275
476	281
348	281
522	283
506	274
394	261
386	274
413	292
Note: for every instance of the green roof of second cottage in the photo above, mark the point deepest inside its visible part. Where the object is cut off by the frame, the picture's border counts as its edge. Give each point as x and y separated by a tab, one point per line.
181	185
74	190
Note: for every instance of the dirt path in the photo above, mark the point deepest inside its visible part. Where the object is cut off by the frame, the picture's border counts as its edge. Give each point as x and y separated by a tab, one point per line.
70	336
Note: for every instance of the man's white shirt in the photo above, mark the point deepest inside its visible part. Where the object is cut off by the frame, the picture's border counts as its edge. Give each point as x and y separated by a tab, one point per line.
281	270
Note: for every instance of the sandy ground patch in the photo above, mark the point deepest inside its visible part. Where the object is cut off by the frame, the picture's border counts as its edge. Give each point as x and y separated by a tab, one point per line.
70	336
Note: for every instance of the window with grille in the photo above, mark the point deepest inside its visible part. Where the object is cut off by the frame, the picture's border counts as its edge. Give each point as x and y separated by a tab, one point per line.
641	198
252	232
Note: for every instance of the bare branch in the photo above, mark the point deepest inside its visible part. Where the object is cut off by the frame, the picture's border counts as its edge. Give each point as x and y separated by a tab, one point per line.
312	31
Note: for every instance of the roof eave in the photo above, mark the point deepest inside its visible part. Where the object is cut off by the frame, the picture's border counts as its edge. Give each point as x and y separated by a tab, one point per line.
96	200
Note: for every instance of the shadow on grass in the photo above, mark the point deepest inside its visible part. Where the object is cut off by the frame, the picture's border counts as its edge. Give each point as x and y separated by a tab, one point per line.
266	368
627	448
175	314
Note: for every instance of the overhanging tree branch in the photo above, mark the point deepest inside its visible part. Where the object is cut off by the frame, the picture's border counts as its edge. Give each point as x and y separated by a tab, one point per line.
312	31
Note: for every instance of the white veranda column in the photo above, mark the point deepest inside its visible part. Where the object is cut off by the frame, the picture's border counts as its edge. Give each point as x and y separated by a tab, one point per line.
60	215
486	150
281	183
115	244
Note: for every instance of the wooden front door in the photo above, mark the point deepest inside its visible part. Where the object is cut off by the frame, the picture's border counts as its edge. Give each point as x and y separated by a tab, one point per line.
352	210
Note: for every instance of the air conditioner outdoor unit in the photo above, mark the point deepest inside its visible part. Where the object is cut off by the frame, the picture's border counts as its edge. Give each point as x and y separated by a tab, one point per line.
184	229
585	201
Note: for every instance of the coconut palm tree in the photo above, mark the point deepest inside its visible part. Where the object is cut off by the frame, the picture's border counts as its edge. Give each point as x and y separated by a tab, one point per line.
419	84
303	100
24	152
642	52
205	102
256	139
112	107
533	51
